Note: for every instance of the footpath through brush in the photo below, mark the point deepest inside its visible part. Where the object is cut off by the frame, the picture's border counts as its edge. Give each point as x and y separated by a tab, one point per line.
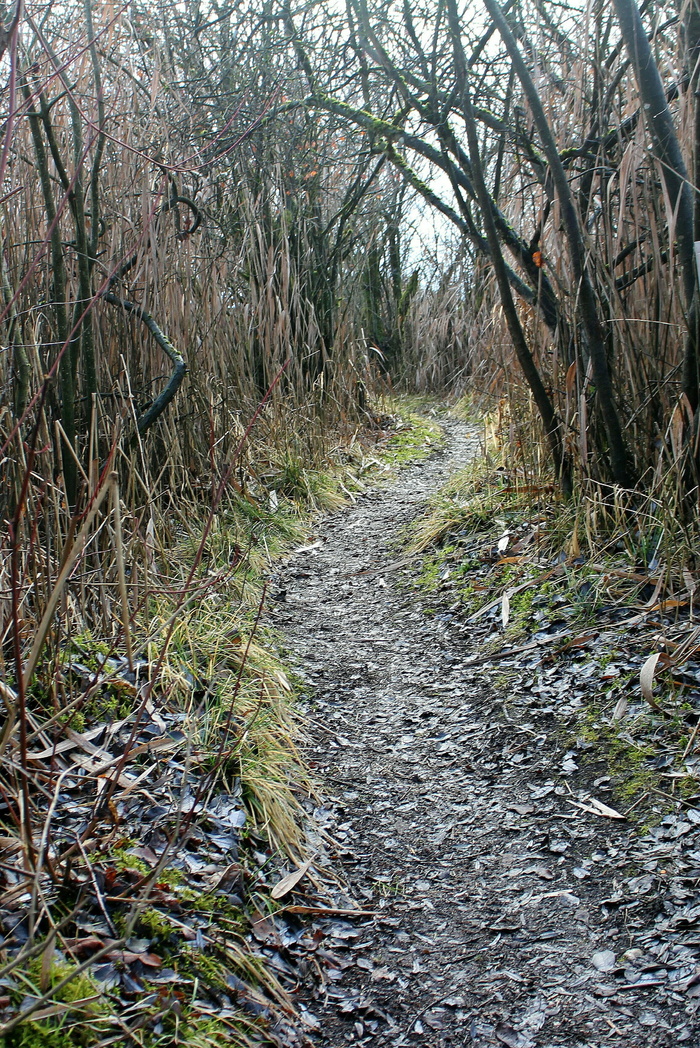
497	910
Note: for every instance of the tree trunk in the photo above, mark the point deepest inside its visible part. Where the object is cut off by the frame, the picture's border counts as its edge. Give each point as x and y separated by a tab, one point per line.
587	308
667	151
552	424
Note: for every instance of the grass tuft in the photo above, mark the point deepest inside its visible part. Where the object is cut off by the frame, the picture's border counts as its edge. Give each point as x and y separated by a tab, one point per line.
606	577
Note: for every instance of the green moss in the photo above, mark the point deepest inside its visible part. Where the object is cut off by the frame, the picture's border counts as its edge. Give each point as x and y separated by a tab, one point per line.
82	986
88	648
122	858
155	923
520	619
415	439
504	680
216	905
687	787
432	568
47	1035
61	1031
627	763
187	1027
114	702
212	970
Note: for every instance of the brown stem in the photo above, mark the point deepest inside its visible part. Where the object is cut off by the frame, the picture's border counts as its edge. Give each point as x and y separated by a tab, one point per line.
587	308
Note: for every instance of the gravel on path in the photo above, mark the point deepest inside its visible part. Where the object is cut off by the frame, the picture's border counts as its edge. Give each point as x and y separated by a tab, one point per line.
498	914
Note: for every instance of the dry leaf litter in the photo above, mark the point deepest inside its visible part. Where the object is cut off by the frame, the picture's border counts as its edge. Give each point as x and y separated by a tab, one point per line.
470	880
491	892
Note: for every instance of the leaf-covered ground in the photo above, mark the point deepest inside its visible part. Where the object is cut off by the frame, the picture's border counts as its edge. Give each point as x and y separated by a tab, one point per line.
506	889
149	800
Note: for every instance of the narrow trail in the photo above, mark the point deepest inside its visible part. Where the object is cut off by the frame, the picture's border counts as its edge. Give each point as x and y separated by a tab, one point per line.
494	896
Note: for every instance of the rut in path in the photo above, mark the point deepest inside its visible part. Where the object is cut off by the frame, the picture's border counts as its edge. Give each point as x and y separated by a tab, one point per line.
490	888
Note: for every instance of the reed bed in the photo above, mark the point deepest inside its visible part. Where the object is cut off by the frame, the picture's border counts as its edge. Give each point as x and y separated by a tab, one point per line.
205	277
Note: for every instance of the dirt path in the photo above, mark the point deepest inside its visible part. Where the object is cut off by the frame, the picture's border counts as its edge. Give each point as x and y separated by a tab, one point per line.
501	915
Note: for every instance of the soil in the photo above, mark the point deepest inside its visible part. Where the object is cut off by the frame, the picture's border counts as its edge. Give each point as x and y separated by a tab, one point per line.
496	910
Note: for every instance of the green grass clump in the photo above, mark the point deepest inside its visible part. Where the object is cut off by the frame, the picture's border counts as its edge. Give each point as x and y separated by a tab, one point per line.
478	497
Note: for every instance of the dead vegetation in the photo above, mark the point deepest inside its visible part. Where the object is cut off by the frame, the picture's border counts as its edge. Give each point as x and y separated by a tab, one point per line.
592	599
212	266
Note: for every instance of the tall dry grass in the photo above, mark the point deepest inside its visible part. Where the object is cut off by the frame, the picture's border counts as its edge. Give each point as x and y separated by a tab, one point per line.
122	587
194	227
455	337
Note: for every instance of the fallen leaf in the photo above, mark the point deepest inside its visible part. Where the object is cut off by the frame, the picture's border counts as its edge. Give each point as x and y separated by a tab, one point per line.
522	809
646	678
383	974
508	1036
284	886
620	708
603	960
308	548
264	930
596	807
